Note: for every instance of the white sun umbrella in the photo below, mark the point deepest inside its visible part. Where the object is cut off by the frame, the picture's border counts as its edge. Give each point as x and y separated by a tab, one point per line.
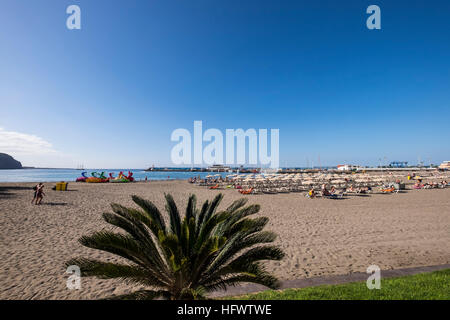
338	181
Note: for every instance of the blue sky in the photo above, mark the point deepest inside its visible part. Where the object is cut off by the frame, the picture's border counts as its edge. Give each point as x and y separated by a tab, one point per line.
110	95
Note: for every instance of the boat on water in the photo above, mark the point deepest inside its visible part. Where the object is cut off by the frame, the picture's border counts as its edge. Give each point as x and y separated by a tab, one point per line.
121	178
97	178
219	168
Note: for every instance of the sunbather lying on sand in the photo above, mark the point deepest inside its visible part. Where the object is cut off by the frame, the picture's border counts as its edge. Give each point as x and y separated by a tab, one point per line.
248	191
388	190
418	185
432	185
364	190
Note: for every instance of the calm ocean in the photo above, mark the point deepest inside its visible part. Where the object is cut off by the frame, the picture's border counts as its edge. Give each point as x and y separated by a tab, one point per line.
52	175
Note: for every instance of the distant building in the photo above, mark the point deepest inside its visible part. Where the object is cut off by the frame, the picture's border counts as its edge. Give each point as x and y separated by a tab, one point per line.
347	167
445	165
398	164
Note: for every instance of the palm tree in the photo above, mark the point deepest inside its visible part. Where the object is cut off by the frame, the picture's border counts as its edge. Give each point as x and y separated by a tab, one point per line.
186	258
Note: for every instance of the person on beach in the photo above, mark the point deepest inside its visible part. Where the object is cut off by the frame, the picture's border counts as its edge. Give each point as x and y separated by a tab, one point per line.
364	189
418	185
325	191
39	193
35	188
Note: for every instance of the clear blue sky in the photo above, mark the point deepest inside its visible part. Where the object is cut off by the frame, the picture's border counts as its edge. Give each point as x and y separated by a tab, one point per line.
109	95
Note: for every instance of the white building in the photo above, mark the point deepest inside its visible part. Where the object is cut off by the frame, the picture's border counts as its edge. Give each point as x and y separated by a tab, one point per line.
445	165
347	167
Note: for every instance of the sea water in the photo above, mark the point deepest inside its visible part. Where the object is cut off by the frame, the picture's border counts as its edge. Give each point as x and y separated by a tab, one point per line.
54	175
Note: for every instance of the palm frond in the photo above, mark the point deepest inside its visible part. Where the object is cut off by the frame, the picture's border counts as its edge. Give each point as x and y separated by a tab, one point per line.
237	204
136	230
152	213
174	215
107	270
191	207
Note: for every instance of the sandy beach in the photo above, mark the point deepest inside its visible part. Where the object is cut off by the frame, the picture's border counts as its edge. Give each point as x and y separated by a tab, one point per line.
321	237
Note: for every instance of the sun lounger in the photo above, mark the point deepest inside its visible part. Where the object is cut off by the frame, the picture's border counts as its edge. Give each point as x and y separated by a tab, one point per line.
333	196
389	190
248	191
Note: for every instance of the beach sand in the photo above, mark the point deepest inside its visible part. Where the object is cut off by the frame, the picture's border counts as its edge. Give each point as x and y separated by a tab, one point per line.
321	237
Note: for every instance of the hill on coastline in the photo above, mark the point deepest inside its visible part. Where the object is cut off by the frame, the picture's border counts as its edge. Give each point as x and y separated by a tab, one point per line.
8	162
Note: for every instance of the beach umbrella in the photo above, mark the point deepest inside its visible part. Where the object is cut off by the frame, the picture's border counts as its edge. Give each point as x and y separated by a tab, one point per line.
338	181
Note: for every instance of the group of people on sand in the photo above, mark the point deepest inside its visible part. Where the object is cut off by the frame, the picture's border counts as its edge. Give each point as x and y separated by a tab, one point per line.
38	193
324	192
352	189
194	179
218	179
430	185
